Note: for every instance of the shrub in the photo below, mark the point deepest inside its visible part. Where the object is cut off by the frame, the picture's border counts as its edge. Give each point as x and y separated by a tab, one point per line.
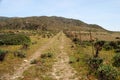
118	42
117	37
34	61
47	55
20	54
94	63
2	54
117	50
101	43
88	43
107	47
116	60
72	59
107	72
113	44
75	40
43	56
35	42
14	39
25	46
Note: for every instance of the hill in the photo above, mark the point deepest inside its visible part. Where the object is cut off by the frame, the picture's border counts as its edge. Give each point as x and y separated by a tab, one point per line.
3	18
47	23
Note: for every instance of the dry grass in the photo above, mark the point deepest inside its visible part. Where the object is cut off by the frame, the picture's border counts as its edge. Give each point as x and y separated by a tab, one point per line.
84	53
11	63
42	70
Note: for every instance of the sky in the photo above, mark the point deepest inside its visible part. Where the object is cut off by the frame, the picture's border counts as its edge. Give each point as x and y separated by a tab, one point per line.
105	13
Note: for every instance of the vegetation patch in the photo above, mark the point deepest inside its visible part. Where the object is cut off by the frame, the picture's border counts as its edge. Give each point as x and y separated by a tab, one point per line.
41	68
107	72
14	39
34	61
107	47
47	55
94	63
2	54
20	54
116	60
72	59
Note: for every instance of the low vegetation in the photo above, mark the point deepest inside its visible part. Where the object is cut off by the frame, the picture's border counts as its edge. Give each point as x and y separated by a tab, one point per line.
46	55
20	54
94	63
42	67
2	54
14	39
116	60
101	57
94	52
16	53
107	72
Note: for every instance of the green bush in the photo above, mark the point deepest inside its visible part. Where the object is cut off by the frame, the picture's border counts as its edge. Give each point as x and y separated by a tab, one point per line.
116	60
113	44
20	54
101	43
72	59
34	61
107	47
14	39
47	55
25	46
2	54
94	63
107	72
88	43
117	50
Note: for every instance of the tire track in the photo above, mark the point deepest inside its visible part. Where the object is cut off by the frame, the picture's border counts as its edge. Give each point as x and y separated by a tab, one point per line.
62	69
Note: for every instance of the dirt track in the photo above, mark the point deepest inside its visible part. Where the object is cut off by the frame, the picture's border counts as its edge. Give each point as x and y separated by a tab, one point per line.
61	69
26	63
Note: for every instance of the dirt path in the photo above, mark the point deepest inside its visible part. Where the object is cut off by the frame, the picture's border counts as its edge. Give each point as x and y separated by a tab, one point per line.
26	63
62	69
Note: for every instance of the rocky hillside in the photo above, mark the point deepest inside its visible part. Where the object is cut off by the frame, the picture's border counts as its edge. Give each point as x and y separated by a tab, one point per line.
47	23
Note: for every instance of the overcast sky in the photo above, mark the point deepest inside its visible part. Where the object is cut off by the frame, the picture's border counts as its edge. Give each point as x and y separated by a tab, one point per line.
102	12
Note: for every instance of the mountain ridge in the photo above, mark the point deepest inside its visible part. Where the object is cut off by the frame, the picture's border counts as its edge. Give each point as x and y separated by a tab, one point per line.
47	23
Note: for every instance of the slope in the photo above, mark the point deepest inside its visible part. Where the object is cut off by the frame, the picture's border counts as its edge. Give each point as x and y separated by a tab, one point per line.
48	23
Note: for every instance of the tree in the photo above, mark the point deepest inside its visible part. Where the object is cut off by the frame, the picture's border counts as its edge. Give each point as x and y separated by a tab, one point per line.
98	47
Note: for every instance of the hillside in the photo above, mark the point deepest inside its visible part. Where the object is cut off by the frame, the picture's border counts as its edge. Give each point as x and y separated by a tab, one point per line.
3	18
47	23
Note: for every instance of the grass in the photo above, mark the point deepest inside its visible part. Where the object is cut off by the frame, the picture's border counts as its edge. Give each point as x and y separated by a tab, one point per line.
80	64
39	70
78	56
84	53
11	63
43	68
107	56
